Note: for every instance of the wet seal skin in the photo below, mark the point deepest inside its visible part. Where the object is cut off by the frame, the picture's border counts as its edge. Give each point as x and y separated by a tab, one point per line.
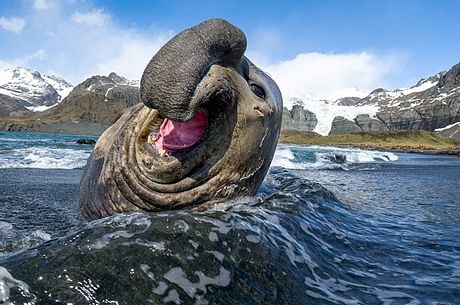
205	132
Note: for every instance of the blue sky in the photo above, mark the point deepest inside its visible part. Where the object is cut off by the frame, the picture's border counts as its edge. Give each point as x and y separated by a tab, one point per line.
320	48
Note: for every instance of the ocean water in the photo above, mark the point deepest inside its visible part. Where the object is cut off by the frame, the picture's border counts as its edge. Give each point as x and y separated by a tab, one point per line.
328	226
49	151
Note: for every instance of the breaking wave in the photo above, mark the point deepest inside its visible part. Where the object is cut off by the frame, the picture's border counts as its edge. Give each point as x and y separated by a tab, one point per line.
43	157
46	151
23	150
316	157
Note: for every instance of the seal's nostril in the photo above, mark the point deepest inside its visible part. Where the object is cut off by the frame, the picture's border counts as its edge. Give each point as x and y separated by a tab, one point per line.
259	111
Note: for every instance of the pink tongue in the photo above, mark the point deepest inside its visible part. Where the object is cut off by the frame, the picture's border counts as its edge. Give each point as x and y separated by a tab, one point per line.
178	135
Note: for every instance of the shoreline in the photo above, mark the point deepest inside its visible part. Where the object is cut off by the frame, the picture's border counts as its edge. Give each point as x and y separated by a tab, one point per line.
455	152
426	151
408	141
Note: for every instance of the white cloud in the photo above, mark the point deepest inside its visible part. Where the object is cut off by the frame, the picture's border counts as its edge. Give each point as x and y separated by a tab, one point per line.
13	24
39	54
23	61
42	5
77	40
65	44
132	53
95	17
315	76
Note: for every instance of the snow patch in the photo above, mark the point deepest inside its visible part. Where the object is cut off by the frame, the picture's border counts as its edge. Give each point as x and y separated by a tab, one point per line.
326	112
107	93
5	76
134	83
448	127
91	87
421	87
39	108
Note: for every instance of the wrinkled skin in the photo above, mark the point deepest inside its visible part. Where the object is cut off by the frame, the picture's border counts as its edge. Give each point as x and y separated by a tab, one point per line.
201	68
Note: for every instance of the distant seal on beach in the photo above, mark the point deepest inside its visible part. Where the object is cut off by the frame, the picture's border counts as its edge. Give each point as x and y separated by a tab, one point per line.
205	132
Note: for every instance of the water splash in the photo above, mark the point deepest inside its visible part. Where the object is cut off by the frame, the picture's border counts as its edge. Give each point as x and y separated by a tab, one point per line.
13	289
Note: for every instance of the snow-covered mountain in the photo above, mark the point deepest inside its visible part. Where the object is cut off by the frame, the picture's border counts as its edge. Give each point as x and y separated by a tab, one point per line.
432	104
408	96
23	90
91	107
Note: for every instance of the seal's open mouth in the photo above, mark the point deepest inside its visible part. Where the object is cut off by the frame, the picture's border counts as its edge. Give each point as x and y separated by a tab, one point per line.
206	134
176	136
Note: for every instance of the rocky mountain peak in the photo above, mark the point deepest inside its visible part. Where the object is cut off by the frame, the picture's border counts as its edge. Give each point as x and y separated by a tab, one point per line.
296	101
98	82
378	92
118	79
57	80
31	90
348	101
431	104
451	78
431	79
95	81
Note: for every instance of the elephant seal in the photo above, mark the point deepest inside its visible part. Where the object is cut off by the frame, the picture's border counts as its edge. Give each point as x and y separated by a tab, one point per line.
206	130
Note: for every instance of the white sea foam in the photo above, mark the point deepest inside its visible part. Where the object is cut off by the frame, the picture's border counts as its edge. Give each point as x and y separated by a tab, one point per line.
6	231
41	235
41	157
326	157
8	282
284	157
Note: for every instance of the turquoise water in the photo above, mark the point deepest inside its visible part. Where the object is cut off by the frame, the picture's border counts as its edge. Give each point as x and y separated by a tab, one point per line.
328	226
36	150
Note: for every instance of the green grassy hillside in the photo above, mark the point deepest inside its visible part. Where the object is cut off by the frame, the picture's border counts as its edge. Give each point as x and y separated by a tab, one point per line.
390	139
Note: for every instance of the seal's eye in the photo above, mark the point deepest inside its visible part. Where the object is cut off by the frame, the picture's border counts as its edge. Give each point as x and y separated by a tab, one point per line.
258	90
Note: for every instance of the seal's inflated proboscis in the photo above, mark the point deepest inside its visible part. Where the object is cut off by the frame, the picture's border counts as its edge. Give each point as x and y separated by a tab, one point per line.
206	131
